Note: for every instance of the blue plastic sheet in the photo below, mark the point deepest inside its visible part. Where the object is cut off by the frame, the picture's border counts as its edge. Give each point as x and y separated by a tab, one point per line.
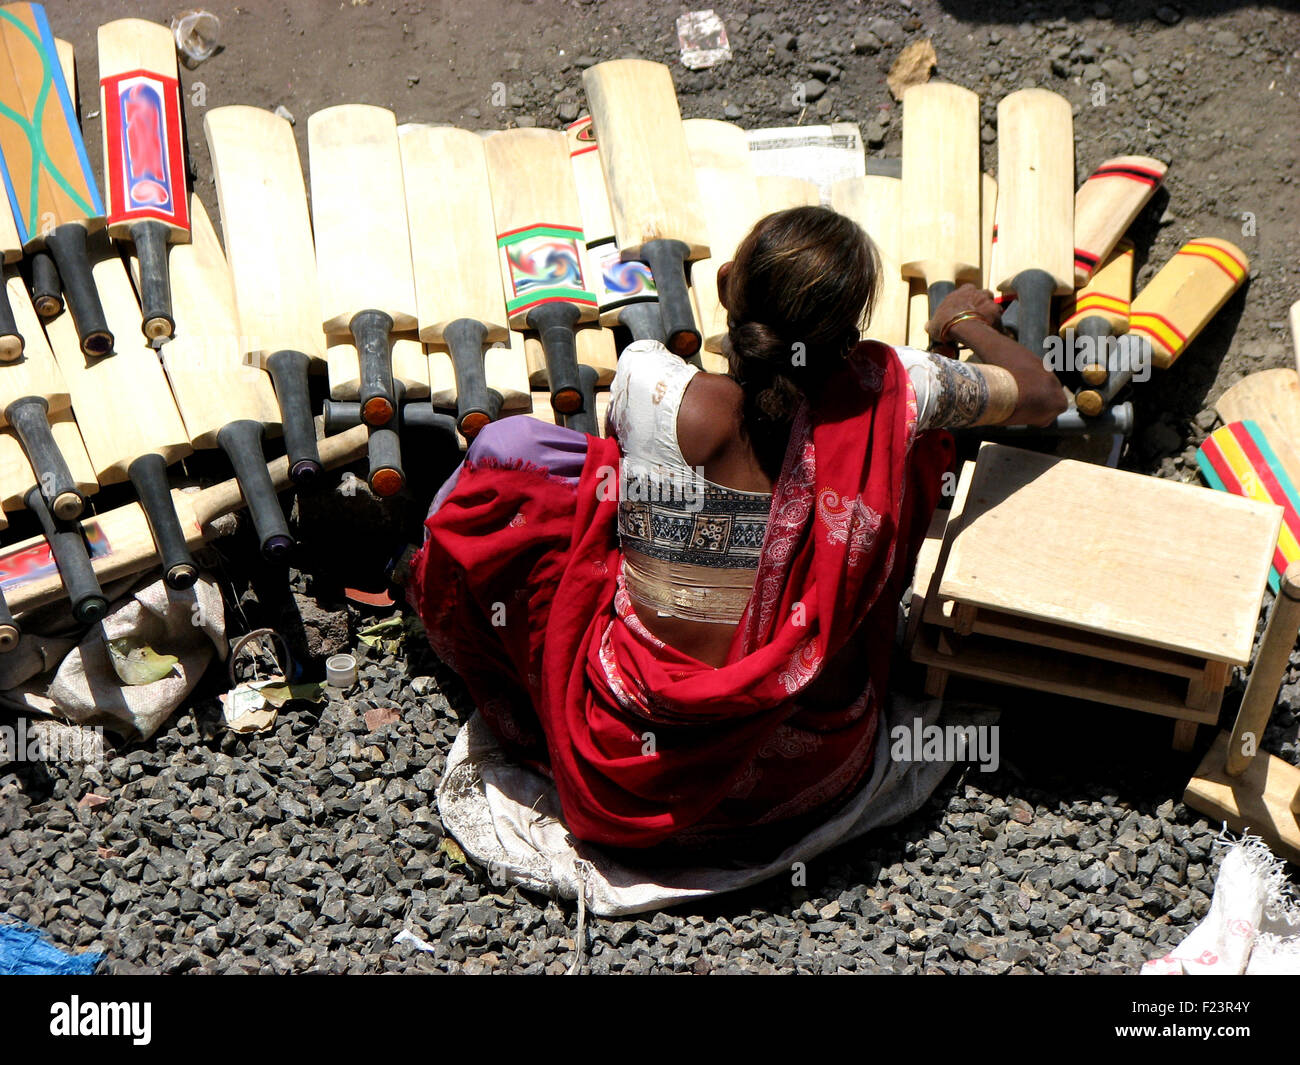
26	951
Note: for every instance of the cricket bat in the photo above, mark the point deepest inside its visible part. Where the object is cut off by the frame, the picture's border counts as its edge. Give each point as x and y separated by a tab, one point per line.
125	408
268	241
1097	312
1295	331
363	251
729	195
782	193
1106	205
542	412
68	554
1035	249
539	234
223	401
941	187
43	275
32	390
593	344
876	204
1270	399
918	314
625	290
459	300
655	199
1185	294
144	155
121	541
341	414
988	227
1239	458
51	189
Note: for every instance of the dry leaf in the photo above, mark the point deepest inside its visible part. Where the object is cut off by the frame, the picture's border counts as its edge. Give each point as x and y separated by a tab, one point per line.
912	67
136	663
452	850
378	716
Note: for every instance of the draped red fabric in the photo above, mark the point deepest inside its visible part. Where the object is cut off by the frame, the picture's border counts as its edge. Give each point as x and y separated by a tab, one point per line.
518	587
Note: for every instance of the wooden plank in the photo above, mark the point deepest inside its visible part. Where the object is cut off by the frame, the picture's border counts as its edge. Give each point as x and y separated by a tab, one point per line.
1073	676
1126	556
1259	800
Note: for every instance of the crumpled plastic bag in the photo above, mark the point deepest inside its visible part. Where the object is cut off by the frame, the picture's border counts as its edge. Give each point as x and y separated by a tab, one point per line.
84	687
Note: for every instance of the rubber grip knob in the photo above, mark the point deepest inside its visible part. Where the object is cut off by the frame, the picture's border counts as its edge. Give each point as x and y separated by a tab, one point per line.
555	323
242	443
476	404
151	240
584	421
67	243
288	370
1097	329
68	547
148	474
11	341
47	289
29	417
667	262
644	321
371	332
1034	290
9	631
386	477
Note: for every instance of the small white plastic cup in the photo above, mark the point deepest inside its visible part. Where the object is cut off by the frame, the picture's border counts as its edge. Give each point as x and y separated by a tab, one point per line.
340	671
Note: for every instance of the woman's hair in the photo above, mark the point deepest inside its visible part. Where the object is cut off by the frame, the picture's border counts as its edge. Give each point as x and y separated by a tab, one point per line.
801	285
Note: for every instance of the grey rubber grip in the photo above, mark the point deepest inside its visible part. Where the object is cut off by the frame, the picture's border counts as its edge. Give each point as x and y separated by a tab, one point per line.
67	243
151	240
667	262
47	289
242	443
1034	289
476	404
555	322
68	546
372	332
148	474
29	417
644	321
288	370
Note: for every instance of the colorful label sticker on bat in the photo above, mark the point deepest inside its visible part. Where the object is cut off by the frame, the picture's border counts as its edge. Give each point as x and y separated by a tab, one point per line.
544	265
1084	259
620	283
1237	459
584	136
146	159
22	564
42	155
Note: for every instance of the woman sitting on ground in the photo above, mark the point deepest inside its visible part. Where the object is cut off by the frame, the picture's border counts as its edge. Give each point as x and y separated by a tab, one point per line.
689	625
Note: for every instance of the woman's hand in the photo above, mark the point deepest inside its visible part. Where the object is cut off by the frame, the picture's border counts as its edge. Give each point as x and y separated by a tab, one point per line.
964	300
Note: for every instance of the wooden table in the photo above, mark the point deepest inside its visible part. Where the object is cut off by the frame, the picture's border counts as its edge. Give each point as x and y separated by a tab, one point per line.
1092	583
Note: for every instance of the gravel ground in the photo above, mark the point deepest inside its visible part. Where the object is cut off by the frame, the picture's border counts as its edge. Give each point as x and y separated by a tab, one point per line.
310	847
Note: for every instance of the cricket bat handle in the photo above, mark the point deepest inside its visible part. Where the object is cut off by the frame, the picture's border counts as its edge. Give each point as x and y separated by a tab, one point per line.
151	240
1267	673
67	244
385	477
30	420
476	404
288	370
242	443
9	632
1034	290
644	321
148	474
11	341
371	332
47	290
1094	372
554	323
667	262
341	415
1118	419
585	420
70	556
938	291
227	497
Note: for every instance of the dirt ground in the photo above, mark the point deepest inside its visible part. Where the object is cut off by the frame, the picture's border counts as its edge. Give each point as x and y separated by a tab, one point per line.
1209	87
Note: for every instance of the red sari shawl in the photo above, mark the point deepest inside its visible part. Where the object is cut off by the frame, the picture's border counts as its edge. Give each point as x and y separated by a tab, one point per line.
518	587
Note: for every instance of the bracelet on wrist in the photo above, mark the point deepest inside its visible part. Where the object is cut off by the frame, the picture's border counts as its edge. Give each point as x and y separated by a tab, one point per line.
965	316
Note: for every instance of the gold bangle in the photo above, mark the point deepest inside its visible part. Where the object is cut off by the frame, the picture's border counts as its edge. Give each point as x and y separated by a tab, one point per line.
964	316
